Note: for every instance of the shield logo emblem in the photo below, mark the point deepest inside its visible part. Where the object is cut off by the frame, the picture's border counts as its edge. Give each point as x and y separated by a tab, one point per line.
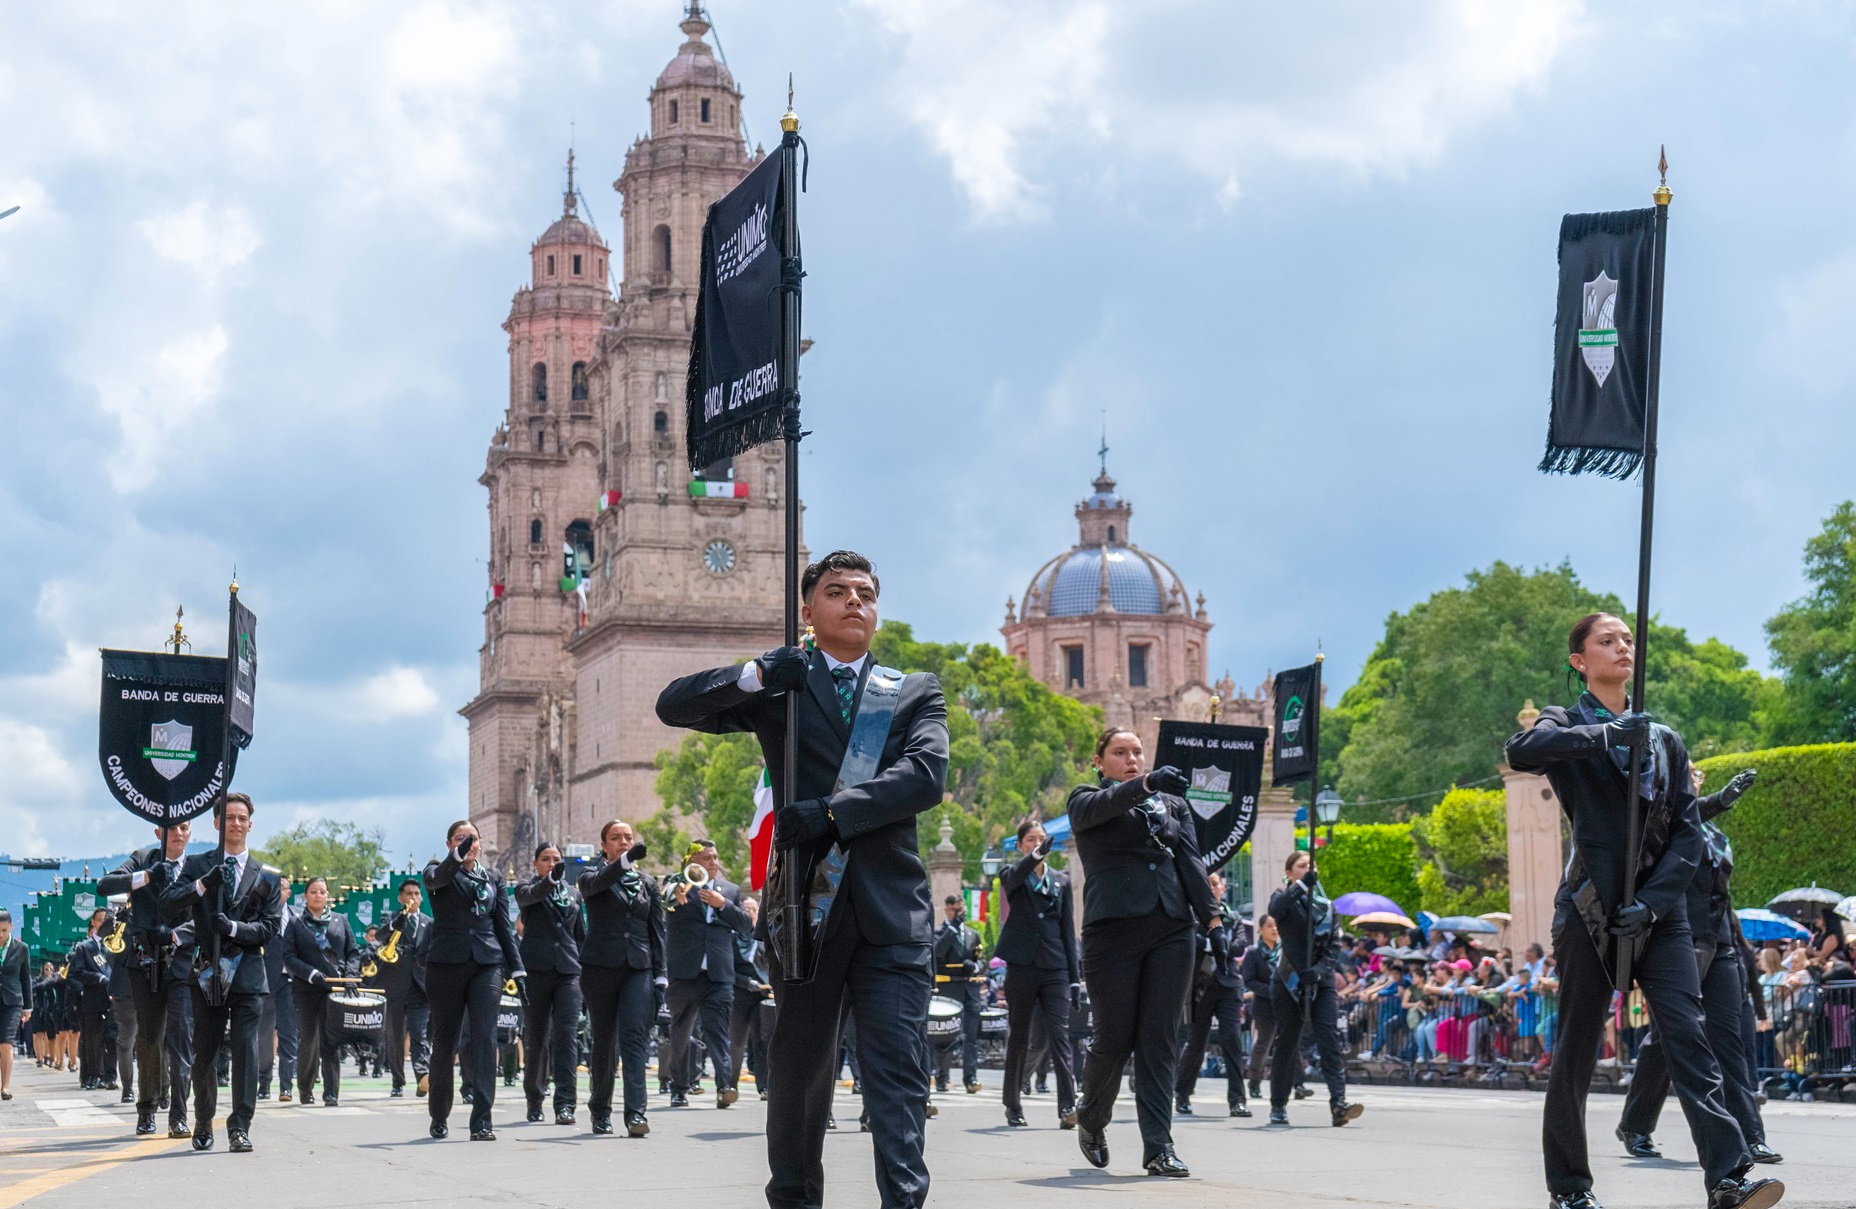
365	913
1210	791
170	748
1598	333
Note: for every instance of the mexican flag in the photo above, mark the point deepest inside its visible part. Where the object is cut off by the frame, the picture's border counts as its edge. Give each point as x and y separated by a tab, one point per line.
760	832
608	499
702	490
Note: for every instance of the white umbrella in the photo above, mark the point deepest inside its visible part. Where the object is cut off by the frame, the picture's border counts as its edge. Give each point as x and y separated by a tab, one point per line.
1847	908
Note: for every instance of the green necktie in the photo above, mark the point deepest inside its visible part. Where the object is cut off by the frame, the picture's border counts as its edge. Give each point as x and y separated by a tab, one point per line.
846	680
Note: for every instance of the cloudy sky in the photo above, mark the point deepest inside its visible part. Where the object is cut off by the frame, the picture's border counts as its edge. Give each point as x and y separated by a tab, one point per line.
1302	256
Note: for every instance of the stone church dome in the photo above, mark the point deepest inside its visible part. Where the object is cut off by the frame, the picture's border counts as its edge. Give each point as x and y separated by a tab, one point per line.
696	62
1103	571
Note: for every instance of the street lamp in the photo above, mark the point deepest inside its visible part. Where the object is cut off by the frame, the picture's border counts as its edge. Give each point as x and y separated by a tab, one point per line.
991	863
1327	809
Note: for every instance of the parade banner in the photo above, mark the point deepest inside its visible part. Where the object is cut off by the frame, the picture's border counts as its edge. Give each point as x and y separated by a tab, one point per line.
1601	344
161	728
1298	724
733	391
242	682
1225	764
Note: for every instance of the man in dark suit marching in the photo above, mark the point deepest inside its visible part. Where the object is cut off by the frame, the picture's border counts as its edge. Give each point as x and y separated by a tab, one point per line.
236	898
873	950
1042	974
959	974
403	980
701	925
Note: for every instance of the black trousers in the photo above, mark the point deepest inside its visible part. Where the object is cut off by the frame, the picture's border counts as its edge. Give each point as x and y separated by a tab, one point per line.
708	1001
887	987
1665	969
969	999
238	1017
747	1040
549	1044
1138	970
1286	1055
92	1023
163	1030
1032	991
1723	996
315	1044
408	1020
454	990
1223	1004
621	1009
122	1012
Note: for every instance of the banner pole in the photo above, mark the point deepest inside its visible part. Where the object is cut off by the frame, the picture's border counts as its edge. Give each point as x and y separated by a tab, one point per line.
793	947
1314	777
225	765
1627	952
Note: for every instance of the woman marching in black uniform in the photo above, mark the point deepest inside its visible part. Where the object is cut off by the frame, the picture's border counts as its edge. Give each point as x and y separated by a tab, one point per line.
473	949
552	932
318	946
1585	753
1302	991
1143	887
621	973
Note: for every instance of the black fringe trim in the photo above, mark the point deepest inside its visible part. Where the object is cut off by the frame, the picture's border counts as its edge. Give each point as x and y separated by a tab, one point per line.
739	437
1620	464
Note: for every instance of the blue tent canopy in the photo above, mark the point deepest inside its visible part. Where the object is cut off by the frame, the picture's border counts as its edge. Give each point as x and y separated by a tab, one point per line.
1058	829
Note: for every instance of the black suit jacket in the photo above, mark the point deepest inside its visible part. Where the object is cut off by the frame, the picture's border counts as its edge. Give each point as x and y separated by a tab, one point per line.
254	908
15	978
459	934
691	938
1127	873
1292	906
303	958
625	920
1256	973
551	933
1039	928
1594	796
875	821
399	978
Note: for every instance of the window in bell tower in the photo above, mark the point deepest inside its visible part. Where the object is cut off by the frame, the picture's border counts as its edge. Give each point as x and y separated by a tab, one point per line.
705	109
1111	535
579	380
534	532
673	113
576	264
1137	664
550	266
540	375
660	249
1073	667
660	424
578	549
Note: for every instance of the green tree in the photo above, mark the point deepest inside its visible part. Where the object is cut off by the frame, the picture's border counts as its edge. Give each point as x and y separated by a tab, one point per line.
708	780
1813	641
343	852
1439	694
1463	853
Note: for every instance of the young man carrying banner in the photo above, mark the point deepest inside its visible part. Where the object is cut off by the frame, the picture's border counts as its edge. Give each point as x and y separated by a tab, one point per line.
856	806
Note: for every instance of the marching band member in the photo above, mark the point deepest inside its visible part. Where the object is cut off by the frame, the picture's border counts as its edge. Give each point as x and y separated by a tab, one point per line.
701	926
402	978
158	987
1303	991
318	946
621	974
1042	972
552	931
1217	992
960	976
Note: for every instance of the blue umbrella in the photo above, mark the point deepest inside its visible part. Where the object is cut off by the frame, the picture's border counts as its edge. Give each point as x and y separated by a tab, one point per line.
1463	924
1361	902
1760	924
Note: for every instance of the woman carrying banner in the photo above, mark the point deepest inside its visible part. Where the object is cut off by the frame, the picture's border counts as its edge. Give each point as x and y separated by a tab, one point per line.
1302	991
318	945
473	948
1143	887
621	974
1585	752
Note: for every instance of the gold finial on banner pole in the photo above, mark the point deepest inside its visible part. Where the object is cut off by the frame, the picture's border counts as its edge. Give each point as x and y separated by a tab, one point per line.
1663	193
789	121
179	638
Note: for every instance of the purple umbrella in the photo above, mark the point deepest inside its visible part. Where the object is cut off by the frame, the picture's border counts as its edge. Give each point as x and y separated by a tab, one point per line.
1362	903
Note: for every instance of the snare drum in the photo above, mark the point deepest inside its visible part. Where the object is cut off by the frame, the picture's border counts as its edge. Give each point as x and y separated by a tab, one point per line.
943	1017
509	1015
355	1017
992	1022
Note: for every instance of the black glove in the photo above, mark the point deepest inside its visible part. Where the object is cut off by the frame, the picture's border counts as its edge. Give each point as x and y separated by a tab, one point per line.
1311	877
522	988
1629	729
1737	787
223	925
1043	848
632	856
1167	779
783	669
465	845
800	823
1221	947
558	874
1632	921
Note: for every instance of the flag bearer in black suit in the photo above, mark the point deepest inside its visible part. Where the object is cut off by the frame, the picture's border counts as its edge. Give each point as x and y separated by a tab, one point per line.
875	944
1042	972
1217	992
552	931
473	951
1584	752
701	926
1303	991
960	975
235	898
1143	886
158	984
403	980
621	973
318	945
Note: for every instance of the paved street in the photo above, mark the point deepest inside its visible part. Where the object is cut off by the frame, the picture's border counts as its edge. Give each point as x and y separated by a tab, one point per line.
1437	1149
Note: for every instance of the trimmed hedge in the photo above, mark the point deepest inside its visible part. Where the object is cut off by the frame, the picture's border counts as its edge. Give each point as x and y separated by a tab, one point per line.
1797	825
1379	857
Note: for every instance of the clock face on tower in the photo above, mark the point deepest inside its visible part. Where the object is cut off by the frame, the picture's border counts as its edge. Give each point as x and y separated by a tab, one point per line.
719	557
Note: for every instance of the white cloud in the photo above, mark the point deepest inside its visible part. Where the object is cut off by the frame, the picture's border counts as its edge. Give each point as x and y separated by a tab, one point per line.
210	241
398	692
158	400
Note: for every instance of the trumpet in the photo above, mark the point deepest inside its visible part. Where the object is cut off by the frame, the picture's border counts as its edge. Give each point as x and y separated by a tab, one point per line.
390	952
369	970
696	876
114	943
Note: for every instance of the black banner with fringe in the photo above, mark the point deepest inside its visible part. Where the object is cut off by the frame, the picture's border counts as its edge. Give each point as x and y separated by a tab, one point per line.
733	390
1601	344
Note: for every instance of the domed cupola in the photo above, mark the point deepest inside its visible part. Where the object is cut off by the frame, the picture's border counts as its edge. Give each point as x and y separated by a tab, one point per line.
1104	572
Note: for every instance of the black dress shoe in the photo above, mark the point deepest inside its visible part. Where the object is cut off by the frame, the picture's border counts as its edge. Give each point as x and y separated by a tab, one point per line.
1740	1192
1638	1145
264	1093
857	1087
144	1122
831	1121
1182	1107
1066	1117
563	1116
128	1097
940	1085
1015	1119
203	1137
973	1087
1343	1112
331	1102
1279	1116
1167	1163
1763	1153
397	1093
308	1097
725	1097
178	1129
240	1140
1574	1200
483	1135
635	1125
602	1123
1042	1088
679	1100
1302	1092
1094	1145
440	1130
534	1114
1240	1110
930	1111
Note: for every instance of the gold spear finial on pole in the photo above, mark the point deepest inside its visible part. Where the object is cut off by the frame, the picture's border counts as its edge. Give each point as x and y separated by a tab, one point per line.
179	638
789	121
1663	193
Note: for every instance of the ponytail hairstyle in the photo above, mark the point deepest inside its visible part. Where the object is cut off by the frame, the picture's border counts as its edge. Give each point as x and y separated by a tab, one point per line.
1107	737
1575	644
